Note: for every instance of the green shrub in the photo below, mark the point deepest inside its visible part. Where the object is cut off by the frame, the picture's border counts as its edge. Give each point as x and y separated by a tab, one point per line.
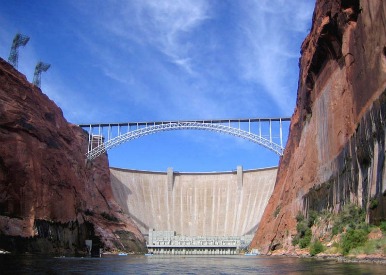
299	217
303	228
351	217
295	240
382	226
352	239
316	248
277	211
304	242
375	246
370	247
312	216
335	230
373	204
306	239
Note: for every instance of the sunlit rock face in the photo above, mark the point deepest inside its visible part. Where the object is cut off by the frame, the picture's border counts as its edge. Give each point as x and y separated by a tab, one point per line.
51	199
336	148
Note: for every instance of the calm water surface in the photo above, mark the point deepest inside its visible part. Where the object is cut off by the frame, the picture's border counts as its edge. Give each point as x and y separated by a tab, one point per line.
134	264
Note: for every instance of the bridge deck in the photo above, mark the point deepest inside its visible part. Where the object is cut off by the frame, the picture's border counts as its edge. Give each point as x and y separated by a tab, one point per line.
104	136
148	123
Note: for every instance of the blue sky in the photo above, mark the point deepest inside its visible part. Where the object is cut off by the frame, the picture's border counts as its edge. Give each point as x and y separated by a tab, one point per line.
152	60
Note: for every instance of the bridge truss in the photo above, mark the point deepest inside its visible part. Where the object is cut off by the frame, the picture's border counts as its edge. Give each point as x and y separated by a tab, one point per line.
267	132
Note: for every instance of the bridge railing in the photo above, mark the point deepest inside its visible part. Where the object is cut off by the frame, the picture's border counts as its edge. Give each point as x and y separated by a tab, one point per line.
268	132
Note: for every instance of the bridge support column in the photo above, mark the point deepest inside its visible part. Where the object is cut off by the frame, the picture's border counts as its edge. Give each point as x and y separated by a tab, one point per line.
170	178
239	177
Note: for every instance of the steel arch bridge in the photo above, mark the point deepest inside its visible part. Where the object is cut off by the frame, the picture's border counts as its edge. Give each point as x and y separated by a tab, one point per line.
267	132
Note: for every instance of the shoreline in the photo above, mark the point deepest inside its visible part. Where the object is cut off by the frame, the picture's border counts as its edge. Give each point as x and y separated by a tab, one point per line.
377	259
367	259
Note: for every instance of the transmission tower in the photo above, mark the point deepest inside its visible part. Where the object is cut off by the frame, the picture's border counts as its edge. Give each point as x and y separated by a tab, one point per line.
40	67
19	40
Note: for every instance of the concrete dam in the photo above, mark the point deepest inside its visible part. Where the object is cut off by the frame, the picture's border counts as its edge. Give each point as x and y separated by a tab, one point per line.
194	204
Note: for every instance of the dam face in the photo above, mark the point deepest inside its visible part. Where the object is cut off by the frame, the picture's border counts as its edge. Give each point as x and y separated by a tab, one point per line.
194	204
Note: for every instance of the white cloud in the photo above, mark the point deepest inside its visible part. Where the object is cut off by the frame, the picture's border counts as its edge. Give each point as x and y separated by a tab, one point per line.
141	42
167	59
150	27
164	25
171	18
266	49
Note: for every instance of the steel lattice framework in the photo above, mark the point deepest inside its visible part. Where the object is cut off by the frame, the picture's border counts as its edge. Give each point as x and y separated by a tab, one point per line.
101	140
18	41
40	67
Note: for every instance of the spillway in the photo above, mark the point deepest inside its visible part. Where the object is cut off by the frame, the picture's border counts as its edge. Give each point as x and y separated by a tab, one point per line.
194	204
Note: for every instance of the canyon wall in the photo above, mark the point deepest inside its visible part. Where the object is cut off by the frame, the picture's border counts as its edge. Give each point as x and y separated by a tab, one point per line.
51	199
335	152
195	204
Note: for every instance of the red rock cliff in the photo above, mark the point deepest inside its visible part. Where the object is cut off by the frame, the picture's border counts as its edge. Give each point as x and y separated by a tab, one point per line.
336	148
51	200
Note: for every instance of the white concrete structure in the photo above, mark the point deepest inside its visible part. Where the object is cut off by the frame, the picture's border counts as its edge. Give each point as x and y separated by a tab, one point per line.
167	242
195	204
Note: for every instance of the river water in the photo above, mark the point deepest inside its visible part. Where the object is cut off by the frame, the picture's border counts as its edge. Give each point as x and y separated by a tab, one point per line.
157	264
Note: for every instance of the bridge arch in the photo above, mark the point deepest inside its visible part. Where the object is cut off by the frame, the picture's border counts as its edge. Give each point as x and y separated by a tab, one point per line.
98	144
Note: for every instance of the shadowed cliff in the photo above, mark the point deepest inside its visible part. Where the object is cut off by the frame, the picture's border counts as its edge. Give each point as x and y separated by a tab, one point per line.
51	200
335	154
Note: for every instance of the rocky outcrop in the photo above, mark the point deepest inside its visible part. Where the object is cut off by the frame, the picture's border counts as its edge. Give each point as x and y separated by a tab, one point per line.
51	199
336	148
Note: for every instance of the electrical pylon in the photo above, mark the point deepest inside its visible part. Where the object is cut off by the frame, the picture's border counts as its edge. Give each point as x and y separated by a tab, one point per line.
40	67
19	40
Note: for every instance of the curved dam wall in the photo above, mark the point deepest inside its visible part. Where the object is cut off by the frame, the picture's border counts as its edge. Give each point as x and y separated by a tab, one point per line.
194	204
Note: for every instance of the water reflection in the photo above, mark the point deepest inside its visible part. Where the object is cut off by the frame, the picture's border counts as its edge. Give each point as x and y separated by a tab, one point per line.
162	264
